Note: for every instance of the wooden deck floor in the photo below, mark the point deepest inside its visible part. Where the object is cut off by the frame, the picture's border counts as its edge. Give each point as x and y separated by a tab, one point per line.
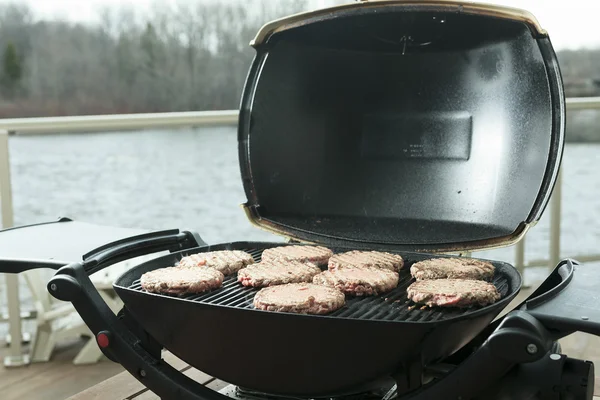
60	379
54	380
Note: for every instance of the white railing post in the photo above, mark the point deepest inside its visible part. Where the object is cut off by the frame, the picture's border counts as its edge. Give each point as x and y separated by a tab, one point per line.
555	211
520	258
15	355
5	187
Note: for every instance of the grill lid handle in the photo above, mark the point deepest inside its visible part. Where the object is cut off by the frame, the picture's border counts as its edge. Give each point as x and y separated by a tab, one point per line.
135	246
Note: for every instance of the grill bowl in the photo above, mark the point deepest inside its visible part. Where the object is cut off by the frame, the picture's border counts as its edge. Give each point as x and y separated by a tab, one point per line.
222	335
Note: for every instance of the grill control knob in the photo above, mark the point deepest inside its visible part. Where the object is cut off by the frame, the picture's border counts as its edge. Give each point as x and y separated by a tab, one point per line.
103	339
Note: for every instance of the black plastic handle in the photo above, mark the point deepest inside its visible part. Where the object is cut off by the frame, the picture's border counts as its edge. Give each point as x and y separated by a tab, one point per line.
135	246
555	283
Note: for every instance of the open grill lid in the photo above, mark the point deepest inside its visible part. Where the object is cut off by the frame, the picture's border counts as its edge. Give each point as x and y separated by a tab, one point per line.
421	125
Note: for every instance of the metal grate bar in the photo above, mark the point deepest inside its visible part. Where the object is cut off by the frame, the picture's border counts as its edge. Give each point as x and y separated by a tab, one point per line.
391	306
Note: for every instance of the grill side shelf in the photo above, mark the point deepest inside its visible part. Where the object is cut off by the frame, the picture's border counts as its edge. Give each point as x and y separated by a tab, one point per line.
391	306
570	302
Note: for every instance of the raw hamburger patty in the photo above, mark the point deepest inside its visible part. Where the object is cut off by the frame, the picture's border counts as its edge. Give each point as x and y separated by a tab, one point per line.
316	254
277	272
452	268
376	259
359	281
181	280
453	292
226	261
300	298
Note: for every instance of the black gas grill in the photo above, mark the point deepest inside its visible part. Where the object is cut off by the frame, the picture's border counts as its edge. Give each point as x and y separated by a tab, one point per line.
415	127
385	331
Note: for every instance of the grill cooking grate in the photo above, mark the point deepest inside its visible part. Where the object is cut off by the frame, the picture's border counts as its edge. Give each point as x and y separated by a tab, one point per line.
391	306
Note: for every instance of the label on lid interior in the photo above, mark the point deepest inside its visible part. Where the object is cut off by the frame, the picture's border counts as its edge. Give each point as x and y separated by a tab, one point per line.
436	135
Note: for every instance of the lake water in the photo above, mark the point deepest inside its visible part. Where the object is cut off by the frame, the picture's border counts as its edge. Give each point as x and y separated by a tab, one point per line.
190	179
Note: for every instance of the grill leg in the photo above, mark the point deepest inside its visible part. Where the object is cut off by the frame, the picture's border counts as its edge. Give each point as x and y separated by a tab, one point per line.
519	339
410	378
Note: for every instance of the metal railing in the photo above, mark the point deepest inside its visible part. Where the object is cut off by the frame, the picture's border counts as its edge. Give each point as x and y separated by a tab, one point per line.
119	122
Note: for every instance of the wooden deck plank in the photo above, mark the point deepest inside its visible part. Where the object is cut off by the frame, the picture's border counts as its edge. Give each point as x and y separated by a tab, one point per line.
123	385
54	380
120	386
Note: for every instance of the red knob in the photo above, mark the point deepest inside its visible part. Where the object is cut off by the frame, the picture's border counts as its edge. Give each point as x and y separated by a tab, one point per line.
103	339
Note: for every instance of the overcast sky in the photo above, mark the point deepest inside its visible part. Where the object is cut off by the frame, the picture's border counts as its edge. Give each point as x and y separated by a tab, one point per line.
571	23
